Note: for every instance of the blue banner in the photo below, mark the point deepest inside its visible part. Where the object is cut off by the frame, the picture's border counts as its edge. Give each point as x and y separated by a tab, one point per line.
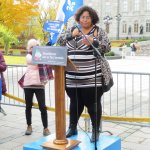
53	38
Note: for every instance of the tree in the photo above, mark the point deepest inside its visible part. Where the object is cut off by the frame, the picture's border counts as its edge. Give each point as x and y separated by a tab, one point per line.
17	14
7	38
26	17
47	12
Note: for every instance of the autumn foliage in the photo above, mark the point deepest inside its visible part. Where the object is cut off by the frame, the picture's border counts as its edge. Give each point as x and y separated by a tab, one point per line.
16	14
25	18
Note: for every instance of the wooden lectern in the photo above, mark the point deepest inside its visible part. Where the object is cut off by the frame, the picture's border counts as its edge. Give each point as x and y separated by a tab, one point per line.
61	143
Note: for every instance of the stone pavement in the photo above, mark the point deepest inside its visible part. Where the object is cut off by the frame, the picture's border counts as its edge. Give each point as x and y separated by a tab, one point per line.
13	126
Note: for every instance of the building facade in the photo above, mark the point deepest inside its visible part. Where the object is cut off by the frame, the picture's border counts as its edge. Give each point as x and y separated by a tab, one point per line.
123	18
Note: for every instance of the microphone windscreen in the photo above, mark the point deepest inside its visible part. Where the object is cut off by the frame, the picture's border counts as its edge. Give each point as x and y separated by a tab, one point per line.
78	26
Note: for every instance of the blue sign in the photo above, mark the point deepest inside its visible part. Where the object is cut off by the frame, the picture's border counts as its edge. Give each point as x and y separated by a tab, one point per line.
53	26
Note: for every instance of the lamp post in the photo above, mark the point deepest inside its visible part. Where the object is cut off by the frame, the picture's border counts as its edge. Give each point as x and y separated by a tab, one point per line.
107	21
118	18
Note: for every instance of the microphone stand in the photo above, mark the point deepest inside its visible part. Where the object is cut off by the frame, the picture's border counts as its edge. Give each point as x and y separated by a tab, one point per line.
98	56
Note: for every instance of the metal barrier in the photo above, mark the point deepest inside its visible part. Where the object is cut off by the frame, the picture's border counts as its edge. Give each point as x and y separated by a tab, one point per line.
128	100
130	95
12	75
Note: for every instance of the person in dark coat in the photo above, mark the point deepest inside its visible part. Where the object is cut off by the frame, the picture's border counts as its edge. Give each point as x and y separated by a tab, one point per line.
3	67
3	90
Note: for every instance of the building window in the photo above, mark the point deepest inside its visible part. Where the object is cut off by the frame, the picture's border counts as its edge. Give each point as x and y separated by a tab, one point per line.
125	6
124	27
148	26
136	5
148	5
107	8
136	26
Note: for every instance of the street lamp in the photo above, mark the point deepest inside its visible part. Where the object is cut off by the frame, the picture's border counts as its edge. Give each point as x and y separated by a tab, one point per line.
107	21
118	18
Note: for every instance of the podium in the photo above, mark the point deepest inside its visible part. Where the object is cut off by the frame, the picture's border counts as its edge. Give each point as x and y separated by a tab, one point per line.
61	143
58	141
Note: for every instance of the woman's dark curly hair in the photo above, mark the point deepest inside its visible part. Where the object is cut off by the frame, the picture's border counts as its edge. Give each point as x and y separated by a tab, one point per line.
92	12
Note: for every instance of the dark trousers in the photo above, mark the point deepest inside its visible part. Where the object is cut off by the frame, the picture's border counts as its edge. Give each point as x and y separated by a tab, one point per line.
80	97
40	95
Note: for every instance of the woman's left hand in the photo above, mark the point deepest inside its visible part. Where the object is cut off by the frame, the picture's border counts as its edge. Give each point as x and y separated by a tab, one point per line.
85	41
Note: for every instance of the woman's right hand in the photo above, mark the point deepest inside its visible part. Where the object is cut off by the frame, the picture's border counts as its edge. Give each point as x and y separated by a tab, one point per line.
76	32
29	59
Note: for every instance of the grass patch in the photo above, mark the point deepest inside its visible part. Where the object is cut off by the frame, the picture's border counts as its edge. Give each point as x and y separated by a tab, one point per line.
15	60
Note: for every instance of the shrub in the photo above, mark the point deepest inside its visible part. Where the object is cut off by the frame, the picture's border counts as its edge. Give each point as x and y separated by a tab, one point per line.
111	53
7	38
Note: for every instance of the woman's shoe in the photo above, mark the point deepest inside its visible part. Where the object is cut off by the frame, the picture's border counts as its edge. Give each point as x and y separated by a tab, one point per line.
71	131
46	132
29	130
93	136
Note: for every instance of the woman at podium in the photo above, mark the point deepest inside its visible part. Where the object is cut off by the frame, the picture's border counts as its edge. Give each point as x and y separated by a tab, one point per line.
80	85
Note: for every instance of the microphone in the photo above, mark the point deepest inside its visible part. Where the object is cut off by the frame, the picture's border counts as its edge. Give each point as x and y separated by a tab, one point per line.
68	36
78	26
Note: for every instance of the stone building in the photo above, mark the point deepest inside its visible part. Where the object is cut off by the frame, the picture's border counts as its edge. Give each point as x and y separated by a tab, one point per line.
123	18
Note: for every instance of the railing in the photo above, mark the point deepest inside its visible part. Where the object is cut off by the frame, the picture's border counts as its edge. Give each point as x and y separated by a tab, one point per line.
15	52
129	97
12	75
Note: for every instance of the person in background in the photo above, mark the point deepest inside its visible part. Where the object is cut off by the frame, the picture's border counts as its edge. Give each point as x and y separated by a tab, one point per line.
138	47
80	85
124	47
34	83
3	90
133	49
3	68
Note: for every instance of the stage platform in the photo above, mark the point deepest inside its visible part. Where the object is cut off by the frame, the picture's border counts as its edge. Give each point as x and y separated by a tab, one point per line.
105	142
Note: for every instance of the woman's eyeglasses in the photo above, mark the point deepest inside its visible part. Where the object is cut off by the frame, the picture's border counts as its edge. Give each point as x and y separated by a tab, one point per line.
85	17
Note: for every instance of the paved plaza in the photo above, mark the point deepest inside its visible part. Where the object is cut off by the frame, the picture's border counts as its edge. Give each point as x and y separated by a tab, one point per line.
134	137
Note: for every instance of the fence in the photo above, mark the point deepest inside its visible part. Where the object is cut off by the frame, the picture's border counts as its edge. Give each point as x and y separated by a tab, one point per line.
129	97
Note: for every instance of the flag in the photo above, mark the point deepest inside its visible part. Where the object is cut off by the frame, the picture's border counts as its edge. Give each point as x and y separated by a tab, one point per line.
67	9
